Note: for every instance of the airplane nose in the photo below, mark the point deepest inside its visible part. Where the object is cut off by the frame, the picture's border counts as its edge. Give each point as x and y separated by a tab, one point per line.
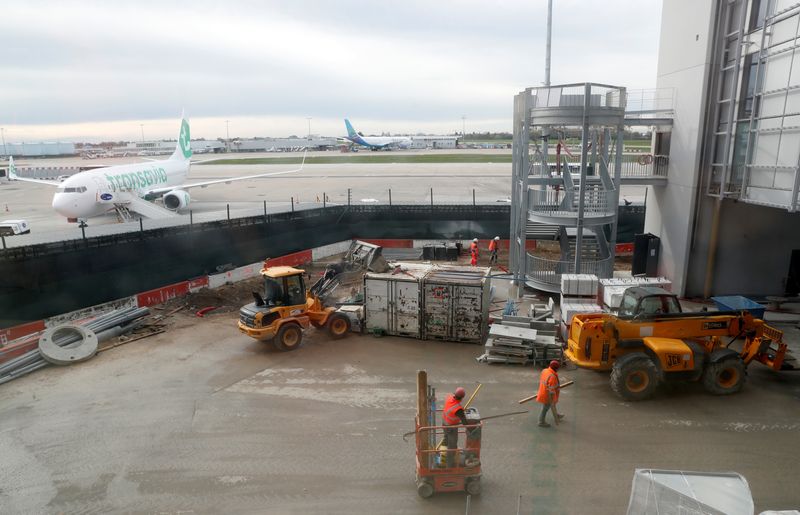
61	205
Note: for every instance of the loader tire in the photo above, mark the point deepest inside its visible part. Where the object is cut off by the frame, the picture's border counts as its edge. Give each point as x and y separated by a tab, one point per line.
338	326
725	376
288	338
634	377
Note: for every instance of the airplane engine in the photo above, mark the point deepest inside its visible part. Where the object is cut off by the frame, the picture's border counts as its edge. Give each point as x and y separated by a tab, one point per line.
176	199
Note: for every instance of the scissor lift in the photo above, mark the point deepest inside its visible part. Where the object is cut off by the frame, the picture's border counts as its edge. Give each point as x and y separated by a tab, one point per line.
440	469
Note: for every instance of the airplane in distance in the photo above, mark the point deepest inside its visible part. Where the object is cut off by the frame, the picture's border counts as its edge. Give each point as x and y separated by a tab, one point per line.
375	142
132	187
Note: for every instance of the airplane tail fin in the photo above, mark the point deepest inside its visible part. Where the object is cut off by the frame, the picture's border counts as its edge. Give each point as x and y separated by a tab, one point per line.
350	130
183	149
12	169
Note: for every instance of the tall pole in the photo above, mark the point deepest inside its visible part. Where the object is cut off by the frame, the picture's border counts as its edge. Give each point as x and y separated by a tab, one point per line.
227	135
141	126
463	126
309	127
3	134
549	37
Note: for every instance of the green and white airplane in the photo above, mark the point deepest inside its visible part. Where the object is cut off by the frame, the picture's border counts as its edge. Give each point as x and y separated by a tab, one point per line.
132	187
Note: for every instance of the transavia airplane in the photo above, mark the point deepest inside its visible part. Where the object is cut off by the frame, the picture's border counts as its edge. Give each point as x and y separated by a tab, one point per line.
375	142
133	187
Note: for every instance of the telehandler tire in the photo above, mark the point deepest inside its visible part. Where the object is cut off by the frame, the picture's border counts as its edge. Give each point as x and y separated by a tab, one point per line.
288	338
634	377
725	376
338	325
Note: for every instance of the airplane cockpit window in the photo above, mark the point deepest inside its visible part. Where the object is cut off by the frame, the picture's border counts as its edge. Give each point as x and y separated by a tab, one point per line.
79	189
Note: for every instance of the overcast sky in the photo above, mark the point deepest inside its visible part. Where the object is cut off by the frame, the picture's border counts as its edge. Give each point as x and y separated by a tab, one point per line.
110	70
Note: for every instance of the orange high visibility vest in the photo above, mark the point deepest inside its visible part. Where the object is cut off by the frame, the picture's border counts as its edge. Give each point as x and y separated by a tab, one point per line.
493	245
548	381
451	406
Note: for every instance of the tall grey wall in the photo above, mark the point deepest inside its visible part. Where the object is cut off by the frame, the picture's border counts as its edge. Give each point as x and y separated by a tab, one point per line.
683	61
754	247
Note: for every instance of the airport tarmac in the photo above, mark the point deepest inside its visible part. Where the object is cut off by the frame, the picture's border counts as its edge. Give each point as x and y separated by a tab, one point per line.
452	183
202	419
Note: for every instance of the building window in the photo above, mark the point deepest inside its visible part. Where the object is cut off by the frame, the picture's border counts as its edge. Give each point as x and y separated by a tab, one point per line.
758	13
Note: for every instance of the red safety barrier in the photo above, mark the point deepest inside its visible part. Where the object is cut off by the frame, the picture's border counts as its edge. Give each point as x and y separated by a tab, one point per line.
18	331
162	295
624	248
19	347
297	258
198	283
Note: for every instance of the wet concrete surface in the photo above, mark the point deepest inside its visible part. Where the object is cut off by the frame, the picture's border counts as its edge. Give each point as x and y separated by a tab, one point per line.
202	419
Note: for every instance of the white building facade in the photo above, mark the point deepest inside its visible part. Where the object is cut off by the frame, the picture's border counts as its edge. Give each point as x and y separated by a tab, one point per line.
728	217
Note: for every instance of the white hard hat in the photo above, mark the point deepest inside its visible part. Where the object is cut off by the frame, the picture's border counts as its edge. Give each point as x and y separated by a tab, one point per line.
475	240
497	237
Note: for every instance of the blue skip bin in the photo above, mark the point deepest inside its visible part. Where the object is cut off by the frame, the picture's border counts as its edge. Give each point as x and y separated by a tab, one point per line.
739	303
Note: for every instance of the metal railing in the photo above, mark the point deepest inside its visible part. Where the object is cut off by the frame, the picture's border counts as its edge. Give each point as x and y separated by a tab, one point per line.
564	203
226	212
572	95
634	166
549	271
657	100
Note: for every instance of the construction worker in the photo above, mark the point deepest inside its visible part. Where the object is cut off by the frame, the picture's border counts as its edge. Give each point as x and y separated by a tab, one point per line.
547	395
493	249
473	251
453	415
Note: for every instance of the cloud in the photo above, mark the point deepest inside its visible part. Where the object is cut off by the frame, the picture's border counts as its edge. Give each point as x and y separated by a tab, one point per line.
73	63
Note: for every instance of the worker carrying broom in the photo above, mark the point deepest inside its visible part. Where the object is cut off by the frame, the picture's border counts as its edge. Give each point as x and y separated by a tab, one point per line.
473	251
493	250
453	415
548	393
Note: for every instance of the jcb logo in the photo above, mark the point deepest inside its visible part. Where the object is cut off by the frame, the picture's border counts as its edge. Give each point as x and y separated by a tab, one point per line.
674	360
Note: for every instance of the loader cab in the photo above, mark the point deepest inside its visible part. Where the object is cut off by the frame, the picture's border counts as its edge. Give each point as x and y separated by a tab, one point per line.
642	302
284	286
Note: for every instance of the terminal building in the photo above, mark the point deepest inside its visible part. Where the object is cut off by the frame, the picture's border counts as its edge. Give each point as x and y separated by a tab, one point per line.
727	216
38	149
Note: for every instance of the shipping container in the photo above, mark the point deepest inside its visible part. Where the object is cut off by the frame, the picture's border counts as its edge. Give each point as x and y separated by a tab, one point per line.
438	302
392	300
456	304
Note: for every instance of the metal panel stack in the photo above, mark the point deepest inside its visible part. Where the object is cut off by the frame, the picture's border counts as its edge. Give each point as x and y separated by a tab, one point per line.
523	340
578	295
609	293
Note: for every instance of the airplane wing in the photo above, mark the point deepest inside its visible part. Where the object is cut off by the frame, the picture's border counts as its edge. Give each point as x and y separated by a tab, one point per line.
37	181
204	184
12	176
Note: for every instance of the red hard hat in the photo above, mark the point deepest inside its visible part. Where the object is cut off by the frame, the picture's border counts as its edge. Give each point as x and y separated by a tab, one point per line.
460	393
555	365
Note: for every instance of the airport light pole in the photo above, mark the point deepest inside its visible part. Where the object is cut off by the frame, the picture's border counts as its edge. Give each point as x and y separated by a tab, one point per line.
227	135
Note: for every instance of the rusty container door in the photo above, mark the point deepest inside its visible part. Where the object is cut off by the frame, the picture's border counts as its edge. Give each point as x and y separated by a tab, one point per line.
468	307
456	304
376	305
392	303
404	313
438	310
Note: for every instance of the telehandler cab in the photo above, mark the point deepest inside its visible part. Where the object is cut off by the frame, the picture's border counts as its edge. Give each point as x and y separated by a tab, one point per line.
651	340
